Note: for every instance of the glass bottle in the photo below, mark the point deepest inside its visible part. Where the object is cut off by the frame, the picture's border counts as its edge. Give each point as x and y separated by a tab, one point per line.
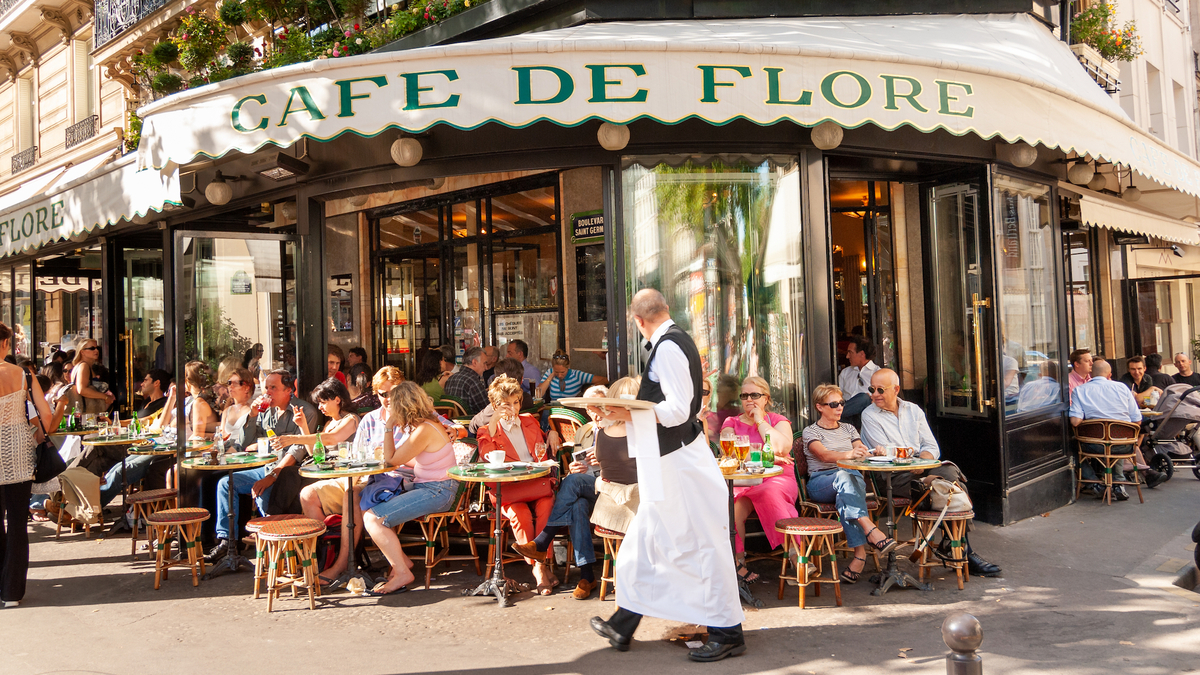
319	451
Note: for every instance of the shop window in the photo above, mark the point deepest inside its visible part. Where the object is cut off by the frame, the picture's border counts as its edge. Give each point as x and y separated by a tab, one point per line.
1165	316
1082	294
722	240
6	296
409	229
23	301
528	209
1027	309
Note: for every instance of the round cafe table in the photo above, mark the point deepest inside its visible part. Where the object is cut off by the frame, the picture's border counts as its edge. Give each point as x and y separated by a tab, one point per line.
230	463
738	474
892	576
350	472
498	584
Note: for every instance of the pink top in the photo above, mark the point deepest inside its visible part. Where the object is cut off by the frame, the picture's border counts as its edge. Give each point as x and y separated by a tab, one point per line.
1074	380
743	429
430	467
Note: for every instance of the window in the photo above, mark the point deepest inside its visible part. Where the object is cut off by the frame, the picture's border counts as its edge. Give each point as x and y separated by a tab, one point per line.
1082	294
1028	298
722	240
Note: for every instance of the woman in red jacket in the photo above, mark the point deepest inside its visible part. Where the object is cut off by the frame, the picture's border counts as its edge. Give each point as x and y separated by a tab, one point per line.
526	505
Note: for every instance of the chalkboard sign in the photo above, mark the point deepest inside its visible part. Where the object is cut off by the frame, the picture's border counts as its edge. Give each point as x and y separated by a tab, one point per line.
590	282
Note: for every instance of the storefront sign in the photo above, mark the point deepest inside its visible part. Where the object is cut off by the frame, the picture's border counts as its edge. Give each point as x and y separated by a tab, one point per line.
890	72
240	283
591	277
587	227
1012	230
509	328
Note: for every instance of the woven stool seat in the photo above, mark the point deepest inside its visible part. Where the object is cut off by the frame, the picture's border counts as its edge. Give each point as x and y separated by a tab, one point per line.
901	502
256	524
950	515
808	526
297	528
152	496
178	516
823	507
608	534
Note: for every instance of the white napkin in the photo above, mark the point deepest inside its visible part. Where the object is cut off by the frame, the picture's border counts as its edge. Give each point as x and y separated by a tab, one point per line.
643	446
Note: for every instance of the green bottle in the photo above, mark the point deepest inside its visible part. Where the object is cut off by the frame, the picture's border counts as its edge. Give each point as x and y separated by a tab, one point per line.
318	451
768	455
135	427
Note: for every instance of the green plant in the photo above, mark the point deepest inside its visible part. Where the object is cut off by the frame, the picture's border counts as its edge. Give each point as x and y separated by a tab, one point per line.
232	13
218	334
200	37
1096	28
133	127
166	83
240	55
164	52
290	47
1196	349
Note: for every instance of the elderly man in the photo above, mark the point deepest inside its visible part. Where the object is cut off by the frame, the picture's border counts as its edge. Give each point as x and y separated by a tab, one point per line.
891	420
466	384
1186	375
491	354
1101	398
280	397
854	380
519	350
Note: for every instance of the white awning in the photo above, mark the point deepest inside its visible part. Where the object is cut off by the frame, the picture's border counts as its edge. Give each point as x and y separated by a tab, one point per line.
1101	210
83	198
994	75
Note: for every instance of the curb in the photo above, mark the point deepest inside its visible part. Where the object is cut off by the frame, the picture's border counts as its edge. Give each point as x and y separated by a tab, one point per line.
1170	569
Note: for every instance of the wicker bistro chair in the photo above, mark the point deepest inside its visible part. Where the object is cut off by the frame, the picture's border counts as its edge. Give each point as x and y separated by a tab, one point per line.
292	557
566	421
145	503
435	530
1118	439
813	509
814	538
455	404
260	549
612	546
954	529
186	523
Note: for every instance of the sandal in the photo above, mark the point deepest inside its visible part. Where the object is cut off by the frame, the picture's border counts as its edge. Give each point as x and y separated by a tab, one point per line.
849	576
883	546
744	574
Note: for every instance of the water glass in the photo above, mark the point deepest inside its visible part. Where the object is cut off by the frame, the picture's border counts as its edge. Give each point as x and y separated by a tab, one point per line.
343	450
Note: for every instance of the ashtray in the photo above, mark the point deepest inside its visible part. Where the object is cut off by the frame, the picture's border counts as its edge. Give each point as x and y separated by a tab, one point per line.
755	469
325	466
903	460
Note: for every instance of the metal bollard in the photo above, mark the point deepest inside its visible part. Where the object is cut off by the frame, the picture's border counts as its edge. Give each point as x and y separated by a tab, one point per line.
963	634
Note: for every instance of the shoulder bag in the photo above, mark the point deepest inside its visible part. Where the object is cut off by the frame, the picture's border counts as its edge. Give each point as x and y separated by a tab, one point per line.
48	464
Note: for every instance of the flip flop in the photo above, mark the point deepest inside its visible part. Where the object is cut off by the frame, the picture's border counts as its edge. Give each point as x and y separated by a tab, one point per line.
376	594
746	575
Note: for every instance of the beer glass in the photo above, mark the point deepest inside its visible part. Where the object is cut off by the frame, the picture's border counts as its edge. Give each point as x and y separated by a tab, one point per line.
727	439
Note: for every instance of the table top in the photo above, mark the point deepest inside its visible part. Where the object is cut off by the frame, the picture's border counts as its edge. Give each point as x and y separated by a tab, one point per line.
311	471
233	462
741	475
155	450
475	473
1151	413
123	439
581	402
85	432
917	464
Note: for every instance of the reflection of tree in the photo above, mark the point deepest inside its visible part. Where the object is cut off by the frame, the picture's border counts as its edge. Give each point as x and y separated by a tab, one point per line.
217	337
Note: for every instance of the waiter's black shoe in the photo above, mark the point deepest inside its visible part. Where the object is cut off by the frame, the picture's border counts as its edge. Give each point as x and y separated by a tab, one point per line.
715	651
618	641
979	567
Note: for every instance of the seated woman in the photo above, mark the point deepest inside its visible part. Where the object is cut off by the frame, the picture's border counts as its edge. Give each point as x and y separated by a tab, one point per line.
578	505
200	421
774	498
429	374
826	442
429	450
240	389
519	437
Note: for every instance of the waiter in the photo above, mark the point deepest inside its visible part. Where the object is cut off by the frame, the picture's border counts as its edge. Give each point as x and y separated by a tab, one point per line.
676	562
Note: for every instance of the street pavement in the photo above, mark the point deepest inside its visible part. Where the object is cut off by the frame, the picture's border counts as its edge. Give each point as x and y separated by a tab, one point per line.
1086	589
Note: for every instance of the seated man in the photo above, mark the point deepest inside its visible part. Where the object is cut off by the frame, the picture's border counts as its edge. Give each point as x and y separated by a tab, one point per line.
1101	398
854	380
1154	371
1138	381
466	384
893	421
1186	375
280	397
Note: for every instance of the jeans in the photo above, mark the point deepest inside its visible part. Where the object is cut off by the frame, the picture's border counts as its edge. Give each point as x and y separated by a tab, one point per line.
1088	469
243	482
848	490
573	509
421	499
38	502
137	466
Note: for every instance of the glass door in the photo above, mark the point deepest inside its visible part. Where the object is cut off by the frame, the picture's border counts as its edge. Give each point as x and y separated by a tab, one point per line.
410	308
142	328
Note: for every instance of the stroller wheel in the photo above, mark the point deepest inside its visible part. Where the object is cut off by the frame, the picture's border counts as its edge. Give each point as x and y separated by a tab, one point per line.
1162	463
1196	473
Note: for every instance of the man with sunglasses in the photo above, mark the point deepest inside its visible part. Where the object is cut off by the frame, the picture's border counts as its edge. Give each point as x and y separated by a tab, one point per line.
890	420
854	380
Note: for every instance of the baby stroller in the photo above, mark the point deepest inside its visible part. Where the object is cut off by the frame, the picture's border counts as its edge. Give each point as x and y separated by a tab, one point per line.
1175	436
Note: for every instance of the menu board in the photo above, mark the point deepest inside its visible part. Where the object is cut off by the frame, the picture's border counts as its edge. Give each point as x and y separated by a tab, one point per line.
590	281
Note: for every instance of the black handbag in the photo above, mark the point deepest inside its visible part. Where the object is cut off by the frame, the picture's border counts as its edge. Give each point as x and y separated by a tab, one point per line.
48	463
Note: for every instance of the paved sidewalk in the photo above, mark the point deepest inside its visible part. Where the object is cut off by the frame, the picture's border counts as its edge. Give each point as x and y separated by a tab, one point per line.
1077	598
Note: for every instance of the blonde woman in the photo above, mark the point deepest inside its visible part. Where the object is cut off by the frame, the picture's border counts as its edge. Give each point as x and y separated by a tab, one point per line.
774	498
430	452
89	393
201	421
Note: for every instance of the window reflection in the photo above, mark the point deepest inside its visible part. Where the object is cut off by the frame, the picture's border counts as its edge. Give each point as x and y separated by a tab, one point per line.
722	240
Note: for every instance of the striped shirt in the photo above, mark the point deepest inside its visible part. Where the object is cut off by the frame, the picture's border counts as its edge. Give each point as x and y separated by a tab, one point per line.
840	439
571	385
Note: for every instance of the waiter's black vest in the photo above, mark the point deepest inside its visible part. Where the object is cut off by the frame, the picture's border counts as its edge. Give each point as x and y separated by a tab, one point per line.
671	439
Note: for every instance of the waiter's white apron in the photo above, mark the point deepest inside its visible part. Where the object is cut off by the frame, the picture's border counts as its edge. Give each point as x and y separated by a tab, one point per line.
676	561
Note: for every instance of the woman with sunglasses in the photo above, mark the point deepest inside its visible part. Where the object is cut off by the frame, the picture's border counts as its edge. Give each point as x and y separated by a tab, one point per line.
240	389
87	391
775	497
826	442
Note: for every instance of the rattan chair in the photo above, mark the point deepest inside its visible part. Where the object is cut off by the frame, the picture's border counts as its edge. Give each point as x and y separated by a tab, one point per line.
1119	440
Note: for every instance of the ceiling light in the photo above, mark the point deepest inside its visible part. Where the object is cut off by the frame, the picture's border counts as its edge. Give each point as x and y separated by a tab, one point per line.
613	137
1097	182
827	135
218	192
1080	173
1022	154
1131	194
407	151
279	166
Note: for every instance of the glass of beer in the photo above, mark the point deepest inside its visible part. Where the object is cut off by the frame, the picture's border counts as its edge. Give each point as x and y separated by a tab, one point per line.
727	439
742	447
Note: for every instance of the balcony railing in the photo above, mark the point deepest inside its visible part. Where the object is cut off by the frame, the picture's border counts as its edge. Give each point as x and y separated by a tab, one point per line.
24	159
7	5
114	17
81	131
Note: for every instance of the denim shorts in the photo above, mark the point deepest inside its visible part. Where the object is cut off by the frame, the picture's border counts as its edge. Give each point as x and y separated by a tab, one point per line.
421	500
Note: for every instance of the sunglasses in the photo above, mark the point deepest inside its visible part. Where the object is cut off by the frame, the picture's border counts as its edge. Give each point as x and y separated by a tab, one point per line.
877	390
751	396
88	349
233	383
834	404
707	392
560	359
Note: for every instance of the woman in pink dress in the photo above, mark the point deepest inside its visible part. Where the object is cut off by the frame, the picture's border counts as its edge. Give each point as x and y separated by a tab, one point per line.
775	497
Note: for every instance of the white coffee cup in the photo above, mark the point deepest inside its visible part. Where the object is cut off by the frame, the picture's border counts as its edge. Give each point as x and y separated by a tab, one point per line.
495	457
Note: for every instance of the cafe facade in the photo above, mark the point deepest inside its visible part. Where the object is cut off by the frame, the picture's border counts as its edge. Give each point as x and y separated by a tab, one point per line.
785	182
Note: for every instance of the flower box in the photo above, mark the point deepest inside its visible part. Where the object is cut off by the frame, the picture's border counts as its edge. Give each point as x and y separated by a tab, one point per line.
1104	72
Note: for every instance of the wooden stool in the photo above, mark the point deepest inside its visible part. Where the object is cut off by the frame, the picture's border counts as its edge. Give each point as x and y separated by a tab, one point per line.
186	523
809	535
253	526
292	557
612	546
145	503
954	528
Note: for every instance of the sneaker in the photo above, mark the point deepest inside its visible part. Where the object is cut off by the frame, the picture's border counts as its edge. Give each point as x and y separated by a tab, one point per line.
1119	493
1095	491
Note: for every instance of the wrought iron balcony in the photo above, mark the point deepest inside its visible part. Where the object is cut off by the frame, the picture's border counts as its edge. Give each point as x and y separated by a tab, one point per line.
81	131
24	159
114	17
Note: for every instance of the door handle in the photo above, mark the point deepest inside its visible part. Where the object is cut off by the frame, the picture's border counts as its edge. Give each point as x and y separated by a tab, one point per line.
978	305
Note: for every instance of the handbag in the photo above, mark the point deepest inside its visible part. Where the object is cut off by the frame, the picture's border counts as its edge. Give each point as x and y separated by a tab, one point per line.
48	464
944	496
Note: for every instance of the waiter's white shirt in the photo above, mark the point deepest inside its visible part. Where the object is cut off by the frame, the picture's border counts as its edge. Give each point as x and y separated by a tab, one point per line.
854	380
677	387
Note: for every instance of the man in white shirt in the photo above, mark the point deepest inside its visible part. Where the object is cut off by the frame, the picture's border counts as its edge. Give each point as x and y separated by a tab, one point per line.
854	380
891	420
